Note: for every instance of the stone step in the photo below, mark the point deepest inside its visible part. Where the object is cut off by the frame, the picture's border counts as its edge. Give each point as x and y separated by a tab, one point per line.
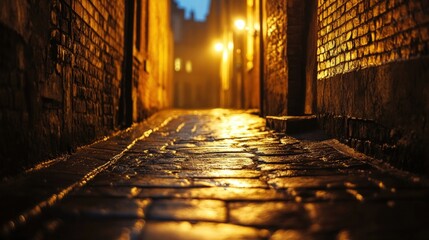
292	124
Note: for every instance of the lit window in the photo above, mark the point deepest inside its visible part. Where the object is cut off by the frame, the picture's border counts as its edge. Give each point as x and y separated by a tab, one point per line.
188	66
177	64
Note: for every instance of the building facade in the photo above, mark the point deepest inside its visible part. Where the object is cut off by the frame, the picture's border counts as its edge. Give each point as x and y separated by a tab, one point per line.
63	73
196	79
360	66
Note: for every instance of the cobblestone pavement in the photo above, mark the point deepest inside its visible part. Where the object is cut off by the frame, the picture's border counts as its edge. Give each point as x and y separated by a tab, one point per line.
213	174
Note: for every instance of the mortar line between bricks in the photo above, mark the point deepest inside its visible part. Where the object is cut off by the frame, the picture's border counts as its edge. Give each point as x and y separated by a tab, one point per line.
22	218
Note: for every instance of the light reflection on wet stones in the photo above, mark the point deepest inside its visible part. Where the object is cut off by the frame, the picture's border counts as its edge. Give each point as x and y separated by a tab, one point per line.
269	214
322	182
230	182
188	210
200	231
219	193
139	181
218	174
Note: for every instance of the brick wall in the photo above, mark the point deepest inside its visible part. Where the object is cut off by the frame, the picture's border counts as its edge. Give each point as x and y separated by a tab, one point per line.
96	41
60	74
361	33
372	69
276	69
61	68
372	86
285	57
18	63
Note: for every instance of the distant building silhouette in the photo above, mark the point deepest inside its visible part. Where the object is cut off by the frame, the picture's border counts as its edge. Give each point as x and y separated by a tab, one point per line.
196	76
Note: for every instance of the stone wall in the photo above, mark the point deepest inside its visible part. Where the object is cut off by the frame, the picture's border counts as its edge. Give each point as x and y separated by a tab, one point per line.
372	86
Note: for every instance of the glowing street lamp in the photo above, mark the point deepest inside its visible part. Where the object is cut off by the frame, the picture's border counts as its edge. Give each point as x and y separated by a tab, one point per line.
240	24
218	47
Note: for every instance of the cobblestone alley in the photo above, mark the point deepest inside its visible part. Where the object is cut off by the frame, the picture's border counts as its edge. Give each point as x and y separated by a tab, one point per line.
213	174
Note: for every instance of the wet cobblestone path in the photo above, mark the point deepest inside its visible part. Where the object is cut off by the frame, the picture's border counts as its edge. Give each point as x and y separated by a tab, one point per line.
213	174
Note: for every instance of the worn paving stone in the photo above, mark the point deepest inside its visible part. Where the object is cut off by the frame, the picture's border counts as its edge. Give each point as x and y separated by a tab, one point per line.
79	163
96	207
137	160
139	181
212	174
187	210
213	150
269	214
279	152
303	172
255	144
322	182
219	173
200	231
95	153
371	218
286	159
230	182
219	193
217	163
226	155
77	228
107	191
326	195
314	164
292	234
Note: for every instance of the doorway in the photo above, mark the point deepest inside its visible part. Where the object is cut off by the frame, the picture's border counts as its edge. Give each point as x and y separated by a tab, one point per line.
301	57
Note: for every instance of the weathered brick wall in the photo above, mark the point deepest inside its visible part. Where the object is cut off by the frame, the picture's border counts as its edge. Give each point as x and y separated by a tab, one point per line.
285	57
372	77
21	63
362	33
95	43
60	71
276	69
